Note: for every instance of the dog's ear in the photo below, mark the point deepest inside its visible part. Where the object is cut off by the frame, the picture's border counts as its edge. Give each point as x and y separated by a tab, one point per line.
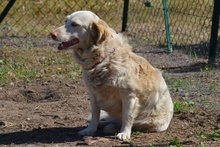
99	31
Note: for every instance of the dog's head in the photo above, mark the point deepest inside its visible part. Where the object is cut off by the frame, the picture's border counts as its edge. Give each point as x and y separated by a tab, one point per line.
81	30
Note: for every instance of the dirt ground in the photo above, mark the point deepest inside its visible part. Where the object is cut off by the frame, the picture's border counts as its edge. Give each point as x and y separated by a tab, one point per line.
50	111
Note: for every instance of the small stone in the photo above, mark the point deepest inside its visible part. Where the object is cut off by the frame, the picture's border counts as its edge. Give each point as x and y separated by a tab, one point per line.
2	123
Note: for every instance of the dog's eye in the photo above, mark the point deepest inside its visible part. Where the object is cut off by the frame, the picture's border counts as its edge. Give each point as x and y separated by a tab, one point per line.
74	24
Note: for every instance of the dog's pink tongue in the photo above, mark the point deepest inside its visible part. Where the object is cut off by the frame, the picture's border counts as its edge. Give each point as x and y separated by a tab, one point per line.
65	45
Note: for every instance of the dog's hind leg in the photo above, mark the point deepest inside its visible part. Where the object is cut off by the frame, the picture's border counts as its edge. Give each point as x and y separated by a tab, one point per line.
109	124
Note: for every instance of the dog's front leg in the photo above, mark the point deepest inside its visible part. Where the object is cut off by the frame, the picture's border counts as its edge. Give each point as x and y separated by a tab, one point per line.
93	125
129	112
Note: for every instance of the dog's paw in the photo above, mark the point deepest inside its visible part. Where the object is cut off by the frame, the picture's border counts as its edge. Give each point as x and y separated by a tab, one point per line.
124	136
87	132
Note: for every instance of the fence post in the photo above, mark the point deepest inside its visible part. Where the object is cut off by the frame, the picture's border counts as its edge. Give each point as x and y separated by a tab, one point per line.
167	25
214	32
6	10
125	15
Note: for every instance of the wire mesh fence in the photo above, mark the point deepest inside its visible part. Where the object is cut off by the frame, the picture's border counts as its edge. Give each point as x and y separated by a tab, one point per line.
190	21
39	17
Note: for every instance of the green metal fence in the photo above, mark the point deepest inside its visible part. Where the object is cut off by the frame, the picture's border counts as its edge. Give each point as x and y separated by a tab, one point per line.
190	21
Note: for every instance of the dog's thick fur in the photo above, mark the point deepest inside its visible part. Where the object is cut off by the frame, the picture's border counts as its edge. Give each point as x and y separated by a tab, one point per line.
120	82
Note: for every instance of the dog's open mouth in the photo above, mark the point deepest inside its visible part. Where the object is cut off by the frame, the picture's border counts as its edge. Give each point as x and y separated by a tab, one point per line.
65	45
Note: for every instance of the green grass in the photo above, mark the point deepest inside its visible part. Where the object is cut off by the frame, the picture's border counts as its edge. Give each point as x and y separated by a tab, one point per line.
175	142
209	136
179	84
203	84
180	107
193	90
27	64
137	133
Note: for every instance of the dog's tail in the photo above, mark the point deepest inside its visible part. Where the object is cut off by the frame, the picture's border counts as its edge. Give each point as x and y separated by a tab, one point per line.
103	116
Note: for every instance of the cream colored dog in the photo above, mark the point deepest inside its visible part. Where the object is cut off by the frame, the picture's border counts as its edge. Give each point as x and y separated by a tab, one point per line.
120	82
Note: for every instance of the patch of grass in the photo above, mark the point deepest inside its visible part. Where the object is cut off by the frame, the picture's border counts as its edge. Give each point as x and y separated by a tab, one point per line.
207	69
175	142
31	63
178	107
207	82
178	84
151	145
182	106
137	133
209	136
